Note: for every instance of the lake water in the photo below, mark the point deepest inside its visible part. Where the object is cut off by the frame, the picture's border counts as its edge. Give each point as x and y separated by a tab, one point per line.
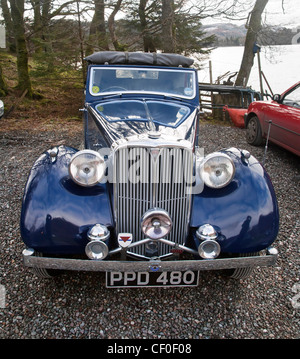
280	64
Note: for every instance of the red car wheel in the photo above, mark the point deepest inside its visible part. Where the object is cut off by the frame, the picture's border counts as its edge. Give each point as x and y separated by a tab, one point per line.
254	134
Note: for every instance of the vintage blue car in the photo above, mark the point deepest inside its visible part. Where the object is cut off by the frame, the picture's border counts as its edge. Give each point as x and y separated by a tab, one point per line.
141	202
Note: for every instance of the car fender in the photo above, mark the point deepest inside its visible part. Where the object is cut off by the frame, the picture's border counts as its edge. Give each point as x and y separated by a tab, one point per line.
245	212
255	109
56	213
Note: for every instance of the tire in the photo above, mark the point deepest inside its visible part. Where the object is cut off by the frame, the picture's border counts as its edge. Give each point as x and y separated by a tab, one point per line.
43	272
241	273
253	132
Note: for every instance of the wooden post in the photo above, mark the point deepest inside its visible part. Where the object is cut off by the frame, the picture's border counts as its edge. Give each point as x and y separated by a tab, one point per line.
210	73
211	81
260	72
267	83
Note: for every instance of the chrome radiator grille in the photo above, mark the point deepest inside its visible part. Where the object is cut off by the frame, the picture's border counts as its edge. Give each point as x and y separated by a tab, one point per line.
152	177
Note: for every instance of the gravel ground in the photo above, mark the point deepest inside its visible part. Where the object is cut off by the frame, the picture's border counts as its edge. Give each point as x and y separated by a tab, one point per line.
77	305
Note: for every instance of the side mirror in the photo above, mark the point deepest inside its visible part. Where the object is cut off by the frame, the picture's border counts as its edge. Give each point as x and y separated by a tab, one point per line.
277	98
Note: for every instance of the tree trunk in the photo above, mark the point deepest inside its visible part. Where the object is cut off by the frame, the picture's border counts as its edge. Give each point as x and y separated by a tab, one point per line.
10	40
147	38
97	39
17	14
251	37
37	26
168	42
46	36
3	86
111	27
80	35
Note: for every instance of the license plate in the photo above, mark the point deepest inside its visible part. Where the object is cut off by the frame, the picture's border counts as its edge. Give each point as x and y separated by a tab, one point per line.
152	279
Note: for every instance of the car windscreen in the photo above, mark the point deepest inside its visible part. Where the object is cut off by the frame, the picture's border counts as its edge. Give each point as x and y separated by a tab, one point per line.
167	114
168	82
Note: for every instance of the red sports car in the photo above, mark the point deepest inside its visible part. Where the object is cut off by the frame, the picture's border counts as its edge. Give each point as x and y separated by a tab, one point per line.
281	116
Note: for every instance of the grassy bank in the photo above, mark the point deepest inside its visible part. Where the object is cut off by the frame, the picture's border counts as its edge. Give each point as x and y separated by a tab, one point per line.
61	96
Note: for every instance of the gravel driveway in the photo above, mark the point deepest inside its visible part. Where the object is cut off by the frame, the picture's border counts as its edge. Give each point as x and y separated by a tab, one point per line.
77	305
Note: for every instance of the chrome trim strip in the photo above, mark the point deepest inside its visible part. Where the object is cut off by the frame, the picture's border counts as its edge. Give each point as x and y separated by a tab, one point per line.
143	266
284	128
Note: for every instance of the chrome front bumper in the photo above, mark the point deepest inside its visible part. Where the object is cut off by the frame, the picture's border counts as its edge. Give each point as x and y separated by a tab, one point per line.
30	260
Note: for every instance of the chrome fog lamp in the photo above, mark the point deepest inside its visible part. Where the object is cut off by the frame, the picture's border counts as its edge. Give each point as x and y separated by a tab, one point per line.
97	248
98	232
156	223
87	168
206	231
209	249
217	170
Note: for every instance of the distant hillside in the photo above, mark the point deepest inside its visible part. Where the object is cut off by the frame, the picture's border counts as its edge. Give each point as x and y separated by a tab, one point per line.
227	34
233	35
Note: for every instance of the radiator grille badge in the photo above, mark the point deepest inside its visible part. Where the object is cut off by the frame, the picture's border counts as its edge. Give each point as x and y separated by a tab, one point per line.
124	239
154	267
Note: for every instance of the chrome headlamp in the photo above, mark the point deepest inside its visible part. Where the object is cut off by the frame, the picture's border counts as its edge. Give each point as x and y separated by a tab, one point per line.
156	223
87	168
217	170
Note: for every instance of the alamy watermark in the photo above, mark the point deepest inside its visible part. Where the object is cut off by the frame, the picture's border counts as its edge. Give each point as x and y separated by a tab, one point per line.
2	37
2	296
155	166
296	37
295	301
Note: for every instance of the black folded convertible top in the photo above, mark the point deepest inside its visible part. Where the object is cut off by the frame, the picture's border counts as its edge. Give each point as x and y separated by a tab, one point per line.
139	58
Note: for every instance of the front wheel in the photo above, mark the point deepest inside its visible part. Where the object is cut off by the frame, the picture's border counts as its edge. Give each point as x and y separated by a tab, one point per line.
253	132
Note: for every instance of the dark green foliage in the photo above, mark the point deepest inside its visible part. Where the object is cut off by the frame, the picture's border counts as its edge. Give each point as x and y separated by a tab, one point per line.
55	43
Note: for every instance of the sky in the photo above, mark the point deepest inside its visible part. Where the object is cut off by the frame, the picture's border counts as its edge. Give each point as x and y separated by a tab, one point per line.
274	13
287	15
289	18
